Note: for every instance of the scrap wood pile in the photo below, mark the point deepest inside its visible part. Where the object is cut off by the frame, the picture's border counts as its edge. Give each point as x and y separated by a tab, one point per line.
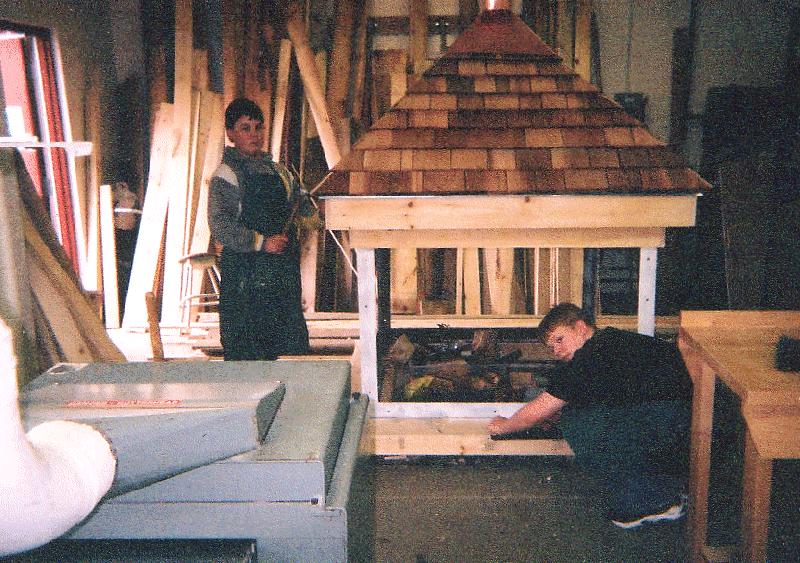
67	323
481	369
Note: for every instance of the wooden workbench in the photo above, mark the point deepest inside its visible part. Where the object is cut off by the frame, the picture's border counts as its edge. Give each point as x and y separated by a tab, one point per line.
738	347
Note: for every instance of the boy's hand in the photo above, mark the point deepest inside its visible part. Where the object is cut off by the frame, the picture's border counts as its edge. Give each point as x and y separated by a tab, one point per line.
276	244
497	425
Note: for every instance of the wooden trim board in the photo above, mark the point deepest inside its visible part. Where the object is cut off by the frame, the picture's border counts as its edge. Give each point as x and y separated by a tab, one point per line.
375	213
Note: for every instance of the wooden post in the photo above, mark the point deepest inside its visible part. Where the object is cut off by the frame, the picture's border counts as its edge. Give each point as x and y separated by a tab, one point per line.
368	322
313	87
583	38
109	254
647	290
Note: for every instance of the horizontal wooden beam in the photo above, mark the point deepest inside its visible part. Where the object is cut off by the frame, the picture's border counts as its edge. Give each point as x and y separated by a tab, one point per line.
510	238
376	213
447	436
399	25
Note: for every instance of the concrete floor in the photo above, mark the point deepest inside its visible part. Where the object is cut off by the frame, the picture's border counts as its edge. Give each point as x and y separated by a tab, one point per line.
428	510
490	509
530	509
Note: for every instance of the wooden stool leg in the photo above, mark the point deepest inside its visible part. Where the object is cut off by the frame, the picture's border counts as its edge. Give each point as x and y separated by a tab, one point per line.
155	327
756	492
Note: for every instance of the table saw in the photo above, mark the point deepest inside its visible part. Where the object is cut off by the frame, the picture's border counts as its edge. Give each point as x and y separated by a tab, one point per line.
175	428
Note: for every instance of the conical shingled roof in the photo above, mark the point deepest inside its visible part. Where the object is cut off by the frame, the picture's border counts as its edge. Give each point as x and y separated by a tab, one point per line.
500	114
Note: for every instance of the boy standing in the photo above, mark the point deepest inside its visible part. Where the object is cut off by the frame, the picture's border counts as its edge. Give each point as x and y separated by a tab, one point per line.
250	213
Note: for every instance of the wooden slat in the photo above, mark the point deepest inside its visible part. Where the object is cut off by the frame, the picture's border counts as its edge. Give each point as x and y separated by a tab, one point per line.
472	282
109	254
492	212
499	267
176	243
154	214
404	280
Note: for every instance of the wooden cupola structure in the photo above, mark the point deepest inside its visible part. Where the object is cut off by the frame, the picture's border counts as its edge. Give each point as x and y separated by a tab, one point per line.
500	145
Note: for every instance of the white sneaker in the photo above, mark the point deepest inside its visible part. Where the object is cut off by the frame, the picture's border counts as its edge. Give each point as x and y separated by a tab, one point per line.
674	512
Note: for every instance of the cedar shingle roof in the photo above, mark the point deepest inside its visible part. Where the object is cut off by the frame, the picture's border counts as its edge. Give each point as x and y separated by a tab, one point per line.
500	114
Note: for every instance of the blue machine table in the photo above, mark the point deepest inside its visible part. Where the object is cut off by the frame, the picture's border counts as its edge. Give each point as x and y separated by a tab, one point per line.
289	493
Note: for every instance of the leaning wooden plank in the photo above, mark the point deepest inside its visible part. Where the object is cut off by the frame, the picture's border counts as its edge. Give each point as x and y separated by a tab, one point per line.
155	328
207	164
281	99
313	87
154	214
199	136
89	325
176	242
48	351
59	319
109	258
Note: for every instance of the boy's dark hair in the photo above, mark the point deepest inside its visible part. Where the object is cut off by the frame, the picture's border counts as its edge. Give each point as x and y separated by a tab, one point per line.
563	314
240	107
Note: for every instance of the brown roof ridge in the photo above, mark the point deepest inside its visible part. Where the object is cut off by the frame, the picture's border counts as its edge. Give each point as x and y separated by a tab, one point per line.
500	34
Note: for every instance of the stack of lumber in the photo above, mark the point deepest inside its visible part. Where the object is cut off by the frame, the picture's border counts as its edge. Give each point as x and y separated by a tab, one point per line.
187	138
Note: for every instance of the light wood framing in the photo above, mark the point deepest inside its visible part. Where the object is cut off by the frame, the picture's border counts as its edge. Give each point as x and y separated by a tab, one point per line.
508	212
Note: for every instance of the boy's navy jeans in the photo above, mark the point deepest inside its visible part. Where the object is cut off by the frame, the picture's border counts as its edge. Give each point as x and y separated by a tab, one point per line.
639	452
